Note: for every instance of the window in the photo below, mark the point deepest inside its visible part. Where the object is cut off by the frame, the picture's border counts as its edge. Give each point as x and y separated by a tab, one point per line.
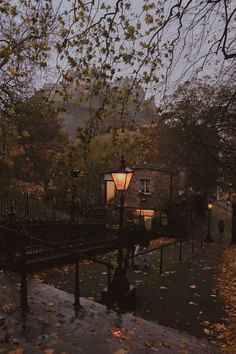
145	186
110	191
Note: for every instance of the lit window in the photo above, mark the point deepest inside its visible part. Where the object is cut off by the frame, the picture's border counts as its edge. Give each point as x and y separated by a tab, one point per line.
145	186
110	190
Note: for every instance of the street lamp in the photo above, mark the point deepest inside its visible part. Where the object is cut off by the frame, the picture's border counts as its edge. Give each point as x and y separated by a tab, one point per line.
120	287
74	175
208	236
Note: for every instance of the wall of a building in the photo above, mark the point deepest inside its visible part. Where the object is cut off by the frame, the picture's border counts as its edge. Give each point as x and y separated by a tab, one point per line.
159	189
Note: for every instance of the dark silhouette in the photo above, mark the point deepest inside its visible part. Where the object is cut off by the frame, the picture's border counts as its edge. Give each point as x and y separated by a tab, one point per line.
221	227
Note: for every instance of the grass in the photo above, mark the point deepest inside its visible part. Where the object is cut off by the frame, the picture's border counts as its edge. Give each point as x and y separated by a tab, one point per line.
93	276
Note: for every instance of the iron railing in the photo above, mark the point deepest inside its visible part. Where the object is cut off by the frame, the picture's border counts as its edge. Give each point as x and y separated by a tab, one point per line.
17	255
162	247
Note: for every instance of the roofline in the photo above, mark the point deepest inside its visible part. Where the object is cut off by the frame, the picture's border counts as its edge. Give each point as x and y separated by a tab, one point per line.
154	168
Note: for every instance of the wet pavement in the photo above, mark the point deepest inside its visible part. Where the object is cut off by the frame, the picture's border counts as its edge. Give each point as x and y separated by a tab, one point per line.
51	326
185	298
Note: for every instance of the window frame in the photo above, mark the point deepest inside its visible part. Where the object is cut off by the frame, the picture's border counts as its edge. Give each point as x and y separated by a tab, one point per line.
144	186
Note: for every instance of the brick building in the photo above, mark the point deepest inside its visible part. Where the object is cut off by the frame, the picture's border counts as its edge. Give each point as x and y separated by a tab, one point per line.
152	193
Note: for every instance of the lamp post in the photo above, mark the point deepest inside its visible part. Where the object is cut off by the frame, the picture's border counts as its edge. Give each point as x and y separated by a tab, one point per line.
208	236
120	287
74	175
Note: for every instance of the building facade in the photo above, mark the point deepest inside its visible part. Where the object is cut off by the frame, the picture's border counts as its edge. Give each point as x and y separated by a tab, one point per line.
152	192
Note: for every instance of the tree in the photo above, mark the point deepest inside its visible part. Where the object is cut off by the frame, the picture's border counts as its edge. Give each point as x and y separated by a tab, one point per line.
33	143
197	129
25	33
103	152
152	41
147	39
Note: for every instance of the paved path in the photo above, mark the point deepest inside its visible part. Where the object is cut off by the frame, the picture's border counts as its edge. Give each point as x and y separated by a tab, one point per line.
185	298
51	327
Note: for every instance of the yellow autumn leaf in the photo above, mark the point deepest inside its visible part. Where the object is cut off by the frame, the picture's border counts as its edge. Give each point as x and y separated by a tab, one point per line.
18	351
7	308
165	344
120	351
49	351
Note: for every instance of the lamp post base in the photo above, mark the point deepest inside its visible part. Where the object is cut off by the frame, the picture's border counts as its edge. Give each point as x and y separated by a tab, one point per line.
120	291
208	239
126	301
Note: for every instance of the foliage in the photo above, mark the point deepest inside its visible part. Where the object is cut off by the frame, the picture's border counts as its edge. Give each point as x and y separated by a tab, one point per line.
30	142
196	129
25	31
103	152
150	41
91	44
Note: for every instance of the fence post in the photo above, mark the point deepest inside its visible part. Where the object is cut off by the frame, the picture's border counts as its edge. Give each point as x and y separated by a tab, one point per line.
109	299
193	245
161	260
201	240
11	216
180	251
77	287
109	277
23	276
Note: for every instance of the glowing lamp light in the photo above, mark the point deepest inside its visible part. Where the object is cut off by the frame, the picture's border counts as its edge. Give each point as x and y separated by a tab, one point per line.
122	176
209	206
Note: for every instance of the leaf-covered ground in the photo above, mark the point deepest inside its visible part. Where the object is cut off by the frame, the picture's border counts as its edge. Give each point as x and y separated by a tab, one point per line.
227	286
196	296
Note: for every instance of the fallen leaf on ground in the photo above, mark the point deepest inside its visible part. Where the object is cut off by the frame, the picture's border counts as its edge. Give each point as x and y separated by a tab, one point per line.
53	334
49	351
91	298
192	303
120	351
165	344
18	351
121	333
149	344
7	308
193	286
58	324
227	288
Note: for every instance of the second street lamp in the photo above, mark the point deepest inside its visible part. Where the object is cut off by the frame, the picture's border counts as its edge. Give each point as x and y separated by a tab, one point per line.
208	236
74	175
120	287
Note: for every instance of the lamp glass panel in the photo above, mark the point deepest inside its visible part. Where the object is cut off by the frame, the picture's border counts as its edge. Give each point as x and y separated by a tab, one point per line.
128	179
122	180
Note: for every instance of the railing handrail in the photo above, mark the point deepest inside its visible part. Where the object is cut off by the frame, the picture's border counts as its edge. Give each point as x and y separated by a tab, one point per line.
72	253
25	234
162	246
7	229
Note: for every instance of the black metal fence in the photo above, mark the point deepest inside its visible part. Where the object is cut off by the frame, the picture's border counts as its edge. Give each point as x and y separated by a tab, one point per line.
178	246
28	208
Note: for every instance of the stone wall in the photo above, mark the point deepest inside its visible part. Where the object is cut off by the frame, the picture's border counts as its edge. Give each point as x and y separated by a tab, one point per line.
159	196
